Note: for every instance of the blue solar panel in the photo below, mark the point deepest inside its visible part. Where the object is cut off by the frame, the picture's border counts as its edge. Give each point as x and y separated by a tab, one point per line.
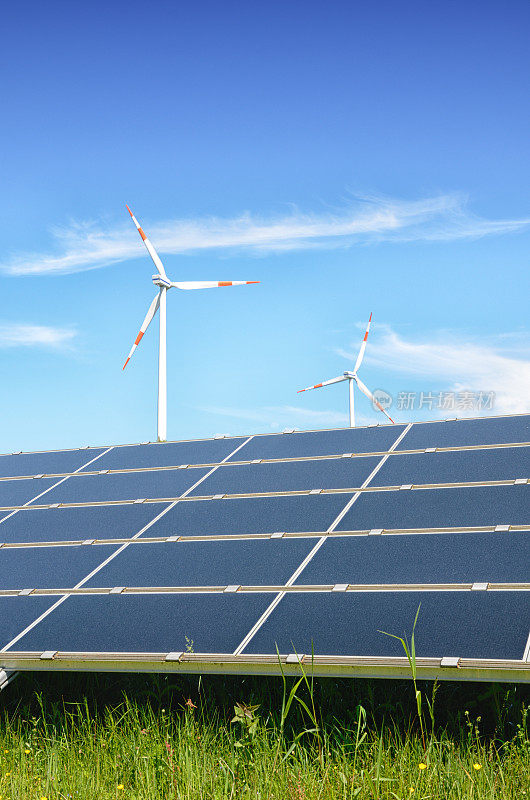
77	524
465	432
457	466
469	557
250	516
168	454
49	567
206	623
462	624
51	462
124	486
219	563
466	507
287	476
320	443
482	624
16	493
16	613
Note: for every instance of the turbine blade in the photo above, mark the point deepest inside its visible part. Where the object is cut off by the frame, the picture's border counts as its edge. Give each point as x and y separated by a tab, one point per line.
365	390
324	383
209	284
363	347
153	308
150	249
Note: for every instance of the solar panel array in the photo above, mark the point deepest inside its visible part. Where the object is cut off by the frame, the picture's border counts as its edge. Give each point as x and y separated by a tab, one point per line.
235	554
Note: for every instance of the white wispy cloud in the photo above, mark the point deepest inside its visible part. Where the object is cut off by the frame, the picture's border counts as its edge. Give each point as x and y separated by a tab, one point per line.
501	365
90	245
22	335
279	417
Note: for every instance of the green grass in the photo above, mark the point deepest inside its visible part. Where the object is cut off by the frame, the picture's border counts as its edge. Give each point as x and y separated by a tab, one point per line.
84	736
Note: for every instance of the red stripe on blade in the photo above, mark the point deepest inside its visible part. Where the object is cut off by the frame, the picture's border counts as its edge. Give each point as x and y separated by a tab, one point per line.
125	364
225	283
380	407
137	340
142	234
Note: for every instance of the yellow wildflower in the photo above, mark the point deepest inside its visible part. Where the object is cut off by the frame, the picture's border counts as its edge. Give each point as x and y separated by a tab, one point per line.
120	786
422	766
477	766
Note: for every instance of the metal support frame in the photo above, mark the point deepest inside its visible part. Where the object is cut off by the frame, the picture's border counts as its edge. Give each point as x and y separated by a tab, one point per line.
444	669
7	677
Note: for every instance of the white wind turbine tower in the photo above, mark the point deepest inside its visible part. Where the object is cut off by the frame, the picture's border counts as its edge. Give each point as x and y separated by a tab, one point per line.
351	377
164	284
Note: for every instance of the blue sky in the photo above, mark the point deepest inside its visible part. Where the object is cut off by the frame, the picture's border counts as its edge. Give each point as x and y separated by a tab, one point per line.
354	157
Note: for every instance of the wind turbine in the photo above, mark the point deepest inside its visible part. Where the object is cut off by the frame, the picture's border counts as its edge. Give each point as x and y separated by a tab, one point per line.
352	377
164	284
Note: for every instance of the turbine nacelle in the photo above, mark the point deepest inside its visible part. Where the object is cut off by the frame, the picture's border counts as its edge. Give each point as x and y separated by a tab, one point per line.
163	283
349	374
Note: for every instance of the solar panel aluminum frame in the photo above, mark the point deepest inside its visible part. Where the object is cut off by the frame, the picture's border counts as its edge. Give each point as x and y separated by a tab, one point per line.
292	588
188	498
468	669
279	460
145	540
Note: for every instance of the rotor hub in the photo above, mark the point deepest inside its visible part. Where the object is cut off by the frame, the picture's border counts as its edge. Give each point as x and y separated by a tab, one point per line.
158	280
